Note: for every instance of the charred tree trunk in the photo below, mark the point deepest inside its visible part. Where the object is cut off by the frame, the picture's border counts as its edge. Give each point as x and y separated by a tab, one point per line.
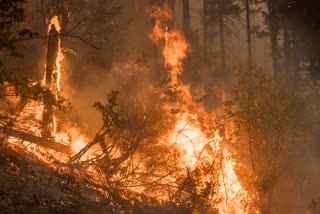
205	31
155	50
35	139
221	35
186	17
290	48
274	29
208	29
286	47
250	67
249	37
52	53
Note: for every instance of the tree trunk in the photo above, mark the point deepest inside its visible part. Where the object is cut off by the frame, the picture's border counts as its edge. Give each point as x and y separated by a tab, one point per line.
249	38
41	141
274	36
221	35
286	47
205	31
209	29
186	17
155	49
51	76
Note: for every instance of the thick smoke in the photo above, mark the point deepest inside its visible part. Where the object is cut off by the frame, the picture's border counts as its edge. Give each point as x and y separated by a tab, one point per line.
87	78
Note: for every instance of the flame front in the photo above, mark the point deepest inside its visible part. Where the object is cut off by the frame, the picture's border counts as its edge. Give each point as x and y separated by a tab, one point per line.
195	147
188	134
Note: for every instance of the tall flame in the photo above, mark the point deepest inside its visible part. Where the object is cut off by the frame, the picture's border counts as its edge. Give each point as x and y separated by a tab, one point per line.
70	134
56	23
188	134
176	47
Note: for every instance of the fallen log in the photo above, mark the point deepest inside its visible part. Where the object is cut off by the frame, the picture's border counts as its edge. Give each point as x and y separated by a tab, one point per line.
41	141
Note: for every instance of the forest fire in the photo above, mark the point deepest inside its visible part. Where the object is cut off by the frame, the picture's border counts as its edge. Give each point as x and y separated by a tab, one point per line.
69	135
187	134
54	25
159	106
196	149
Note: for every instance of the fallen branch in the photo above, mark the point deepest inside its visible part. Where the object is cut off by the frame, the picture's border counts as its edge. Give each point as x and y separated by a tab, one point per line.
44	142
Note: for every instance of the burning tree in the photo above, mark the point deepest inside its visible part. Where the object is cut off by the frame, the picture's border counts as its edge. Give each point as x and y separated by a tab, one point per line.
163	149
157	149
21	98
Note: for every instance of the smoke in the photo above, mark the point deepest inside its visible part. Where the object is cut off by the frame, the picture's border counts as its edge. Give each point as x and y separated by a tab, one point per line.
88	75
298	186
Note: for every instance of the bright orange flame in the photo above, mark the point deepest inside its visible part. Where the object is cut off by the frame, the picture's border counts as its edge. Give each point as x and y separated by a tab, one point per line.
192	143
190	139
56	74
188	134
72	136
176	47
60	56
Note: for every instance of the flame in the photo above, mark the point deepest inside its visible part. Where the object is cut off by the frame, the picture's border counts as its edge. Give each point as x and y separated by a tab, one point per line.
56	82
56	74
188	135
71	135
176	47
190	139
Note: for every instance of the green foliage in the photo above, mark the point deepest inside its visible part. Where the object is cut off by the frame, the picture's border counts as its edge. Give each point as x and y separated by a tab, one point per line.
265	107
269	114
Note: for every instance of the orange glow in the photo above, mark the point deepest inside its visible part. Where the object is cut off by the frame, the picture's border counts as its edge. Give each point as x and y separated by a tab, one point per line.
175	48
161	13
190	139
192	143
57	72
71	135
188	136
195	147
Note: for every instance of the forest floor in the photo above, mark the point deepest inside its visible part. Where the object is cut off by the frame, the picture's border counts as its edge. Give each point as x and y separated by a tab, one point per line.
30	185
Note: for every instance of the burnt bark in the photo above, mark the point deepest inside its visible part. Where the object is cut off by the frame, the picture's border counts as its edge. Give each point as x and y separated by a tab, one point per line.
44	142
249	36
51	55
209	29
51	74
186	17
221	35
274	30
